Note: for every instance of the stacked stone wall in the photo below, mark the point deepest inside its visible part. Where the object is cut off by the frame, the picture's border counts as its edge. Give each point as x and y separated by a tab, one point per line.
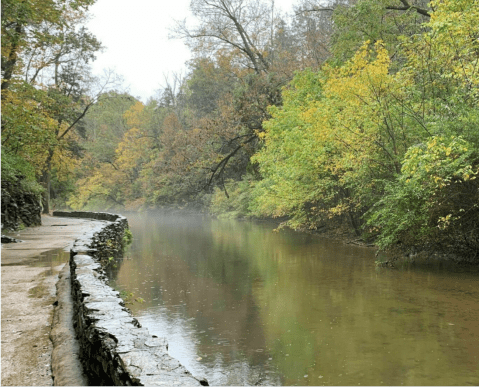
19	207
115	349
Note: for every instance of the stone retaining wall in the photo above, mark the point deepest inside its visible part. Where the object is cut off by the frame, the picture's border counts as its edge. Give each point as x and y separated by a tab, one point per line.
115	349
19	207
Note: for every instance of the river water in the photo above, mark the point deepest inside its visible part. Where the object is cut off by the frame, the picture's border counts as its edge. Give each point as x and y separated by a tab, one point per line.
242	304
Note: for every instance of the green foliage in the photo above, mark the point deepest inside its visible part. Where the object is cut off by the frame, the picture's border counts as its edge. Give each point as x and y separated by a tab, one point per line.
435	200
389	146
14	165
110	175
129	297
371	20
62	186
126	296
333	142
127	237
237	203
27	128
433	203
288	153
16	168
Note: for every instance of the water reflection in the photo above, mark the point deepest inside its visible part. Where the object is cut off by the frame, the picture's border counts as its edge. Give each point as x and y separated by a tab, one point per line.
241	304
50	259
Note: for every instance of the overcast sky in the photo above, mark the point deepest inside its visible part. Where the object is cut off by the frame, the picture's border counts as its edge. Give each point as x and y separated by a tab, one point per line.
135	36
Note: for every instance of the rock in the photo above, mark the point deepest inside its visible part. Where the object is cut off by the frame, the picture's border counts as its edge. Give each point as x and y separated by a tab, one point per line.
7	239
19	206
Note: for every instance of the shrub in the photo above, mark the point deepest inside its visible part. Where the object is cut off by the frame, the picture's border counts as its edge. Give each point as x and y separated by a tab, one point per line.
434	203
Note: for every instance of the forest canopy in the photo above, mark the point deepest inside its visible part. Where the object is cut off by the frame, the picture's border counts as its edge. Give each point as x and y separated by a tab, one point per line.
359	115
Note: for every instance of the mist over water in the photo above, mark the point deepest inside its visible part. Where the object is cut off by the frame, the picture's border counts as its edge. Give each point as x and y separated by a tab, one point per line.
243	305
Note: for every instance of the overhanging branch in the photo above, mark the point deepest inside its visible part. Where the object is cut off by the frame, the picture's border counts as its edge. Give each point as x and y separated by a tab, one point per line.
218	170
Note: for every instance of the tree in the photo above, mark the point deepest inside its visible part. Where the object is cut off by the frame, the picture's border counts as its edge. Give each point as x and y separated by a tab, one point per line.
44	58
334	142
237	25
105	126
114	180
206	85
241	41
313	28
23	28
432	205
373	20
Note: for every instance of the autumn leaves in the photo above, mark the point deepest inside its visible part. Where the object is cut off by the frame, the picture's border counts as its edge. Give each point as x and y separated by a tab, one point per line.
395	153
360	114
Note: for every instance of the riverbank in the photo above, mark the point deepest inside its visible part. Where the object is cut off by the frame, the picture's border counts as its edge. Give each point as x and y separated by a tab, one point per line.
93	334
28	297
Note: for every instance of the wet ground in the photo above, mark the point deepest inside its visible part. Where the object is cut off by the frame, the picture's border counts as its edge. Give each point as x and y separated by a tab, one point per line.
29	275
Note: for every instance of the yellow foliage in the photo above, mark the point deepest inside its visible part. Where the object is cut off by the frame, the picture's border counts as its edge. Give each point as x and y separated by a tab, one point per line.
134	115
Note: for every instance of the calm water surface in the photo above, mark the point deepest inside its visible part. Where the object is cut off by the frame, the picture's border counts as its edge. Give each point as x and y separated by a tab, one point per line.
243	305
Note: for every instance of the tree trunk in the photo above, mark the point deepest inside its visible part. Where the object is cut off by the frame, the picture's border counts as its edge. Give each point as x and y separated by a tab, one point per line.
45	181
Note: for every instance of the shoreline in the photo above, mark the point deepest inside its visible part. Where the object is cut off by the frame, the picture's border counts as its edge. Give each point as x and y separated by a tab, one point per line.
340	234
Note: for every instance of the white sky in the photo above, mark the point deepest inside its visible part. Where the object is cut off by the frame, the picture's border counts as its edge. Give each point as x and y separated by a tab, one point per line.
135	37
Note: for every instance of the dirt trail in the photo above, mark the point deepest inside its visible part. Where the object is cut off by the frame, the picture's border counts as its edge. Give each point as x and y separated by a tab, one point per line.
29	275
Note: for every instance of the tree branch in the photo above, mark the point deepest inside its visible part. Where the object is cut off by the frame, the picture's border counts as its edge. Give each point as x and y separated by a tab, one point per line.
220	167
406	7
315	9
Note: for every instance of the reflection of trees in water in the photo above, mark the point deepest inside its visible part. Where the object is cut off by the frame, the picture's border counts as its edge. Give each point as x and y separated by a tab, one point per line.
314	307
229	314
200	281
